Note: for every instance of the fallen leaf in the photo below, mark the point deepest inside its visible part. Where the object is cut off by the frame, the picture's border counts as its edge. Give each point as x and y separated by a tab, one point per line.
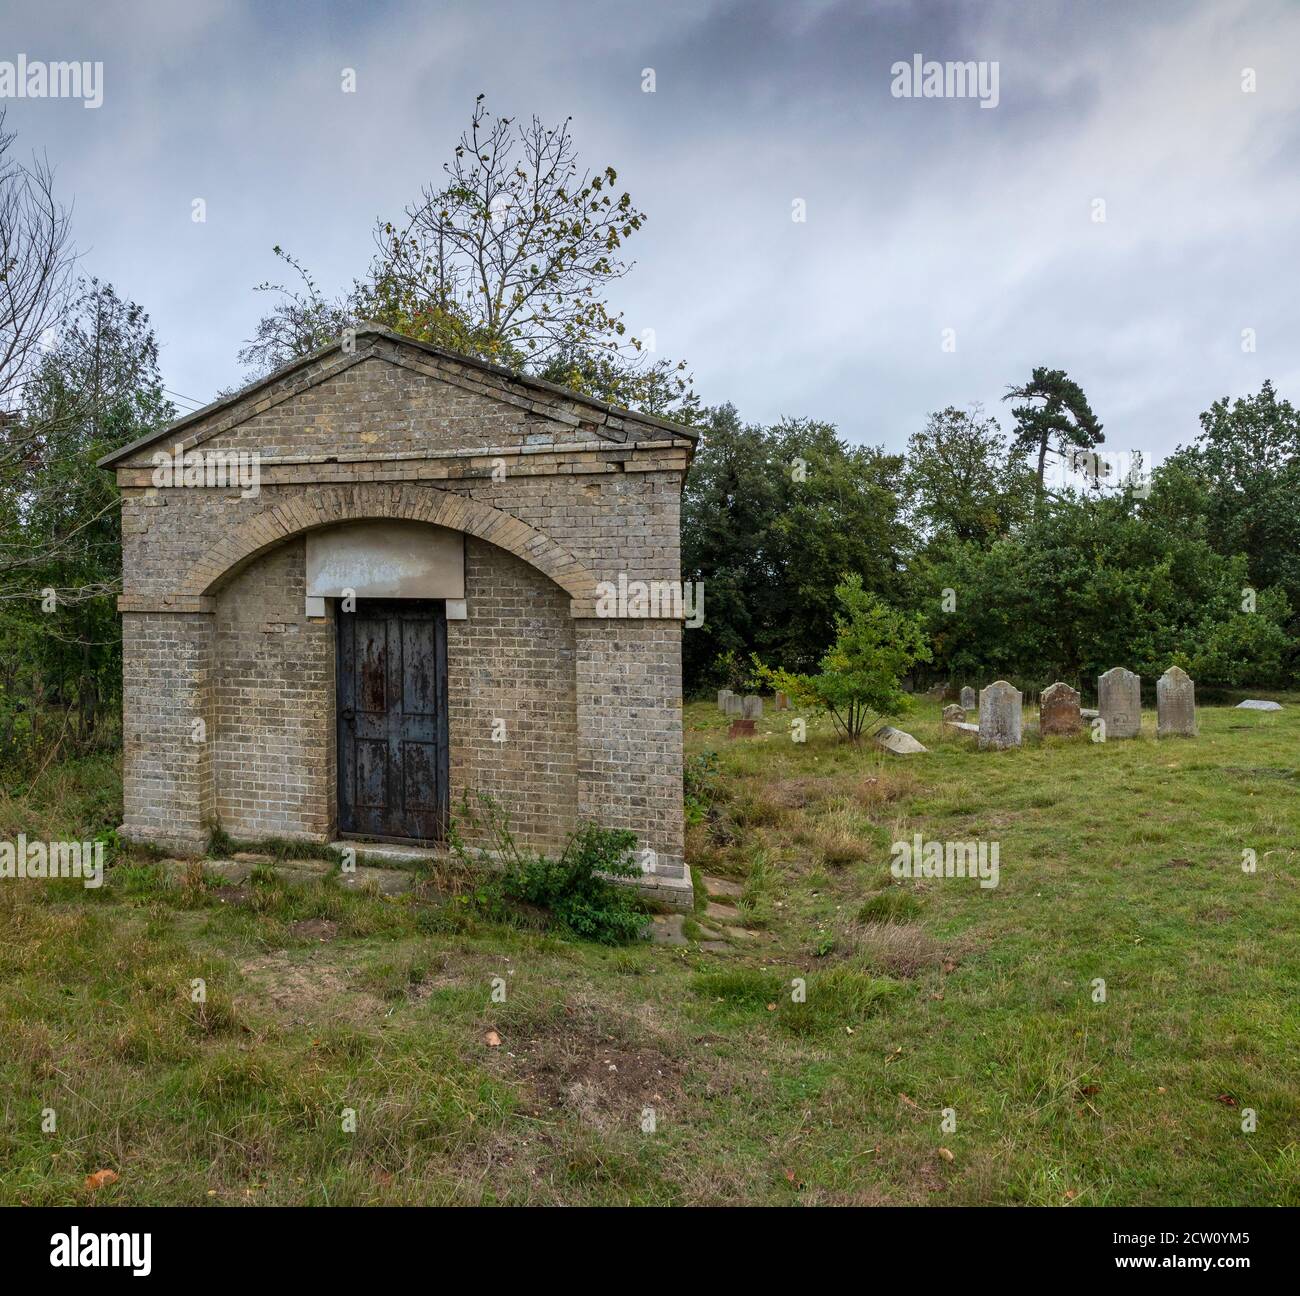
100	1179
1227	1100
1090	1089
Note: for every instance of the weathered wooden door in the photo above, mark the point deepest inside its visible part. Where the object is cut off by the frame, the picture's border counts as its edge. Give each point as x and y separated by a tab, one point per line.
392	702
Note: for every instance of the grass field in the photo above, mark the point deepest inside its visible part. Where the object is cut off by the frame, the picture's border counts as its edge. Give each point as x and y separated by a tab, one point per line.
1120	861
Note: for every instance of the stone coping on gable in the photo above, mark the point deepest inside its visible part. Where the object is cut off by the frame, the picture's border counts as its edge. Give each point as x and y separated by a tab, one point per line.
535	395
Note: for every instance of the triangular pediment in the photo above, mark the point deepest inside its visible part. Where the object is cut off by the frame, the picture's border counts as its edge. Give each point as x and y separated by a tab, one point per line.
385	395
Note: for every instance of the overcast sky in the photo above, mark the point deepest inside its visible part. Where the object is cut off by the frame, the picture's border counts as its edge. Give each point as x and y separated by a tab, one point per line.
923	214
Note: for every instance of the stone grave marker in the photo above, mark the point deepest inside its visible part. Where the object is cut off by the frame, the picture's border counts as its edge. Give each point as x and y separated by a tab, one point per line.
896	741
1175	705
999	716
1058	711
1119	699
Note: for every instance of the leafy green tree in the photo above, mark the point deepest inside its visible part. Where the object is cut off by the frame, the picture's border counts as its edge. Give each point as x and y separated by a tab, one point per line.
1243	475
770	516
1094	583
859	680
961	479
510	257
95	388
1053	414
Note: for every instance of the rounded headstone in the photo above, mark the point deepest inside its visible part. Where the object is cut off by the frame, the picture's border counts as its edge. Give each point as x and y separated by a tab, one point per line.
999	716
1175	705
1119	700
1058	711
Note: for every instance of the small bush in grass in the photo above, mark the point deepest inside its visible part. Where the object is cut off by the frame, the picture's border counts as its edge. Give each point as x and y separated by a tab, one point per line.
700	785
574	889
892	905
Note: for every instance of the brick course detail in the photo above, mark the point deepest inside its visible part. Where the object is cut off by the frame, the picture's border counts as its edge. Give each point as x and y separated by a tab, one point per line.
229	685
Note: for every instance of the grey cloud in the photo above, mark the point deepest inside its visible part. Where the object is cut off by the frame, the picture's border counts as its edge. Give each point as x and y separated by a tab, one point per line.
922	214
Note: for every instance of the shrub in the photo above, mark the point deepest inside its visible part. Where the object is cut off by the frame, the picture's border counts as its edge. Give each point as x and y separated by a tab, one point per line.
859	680
574	889
700	785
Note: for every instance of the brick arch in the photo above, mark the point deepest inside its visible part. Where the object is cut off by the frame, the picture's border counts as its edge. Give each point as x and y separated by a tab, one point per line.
324	506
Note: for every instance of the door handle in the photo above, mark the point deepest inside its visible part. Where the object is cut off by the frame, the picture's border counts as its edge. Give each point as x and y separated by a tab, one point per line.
348	714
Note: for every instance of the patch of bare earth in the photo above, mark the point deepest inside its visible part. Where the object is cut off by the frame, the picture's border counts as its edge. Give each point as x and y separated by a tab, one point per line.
580	1066
315	929
304	990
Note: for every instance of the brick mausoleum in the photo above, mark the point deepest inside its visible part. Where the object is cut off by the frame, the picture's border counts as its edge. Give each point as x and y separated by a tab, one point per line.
467	517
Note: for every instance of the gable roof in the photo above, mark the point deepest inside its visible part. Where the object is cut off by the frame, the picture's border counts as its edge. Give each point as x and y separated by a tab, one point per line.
604	410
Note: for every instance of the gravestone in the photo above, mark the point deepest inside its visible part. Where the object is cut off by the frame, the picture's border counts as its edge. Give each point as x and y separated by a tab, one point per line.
999	716
1058	711
733	704
1119	699
896	741
782	702
953	713
1175	705
741	728
968	699
1254	704
723	695
751	707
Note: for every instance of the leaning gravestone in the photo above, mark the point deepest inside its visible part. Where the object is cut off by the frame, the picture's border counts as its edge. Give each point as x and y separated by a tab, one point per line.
723	695
1175	705
751	707
999	716
968	700
896	741
1254	704
1119	699
1058	711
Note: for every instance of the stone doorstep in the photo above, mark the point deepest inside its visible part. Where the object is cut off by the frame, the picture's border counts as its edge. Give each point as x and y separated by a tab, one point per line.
381	858
674	893
234	872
